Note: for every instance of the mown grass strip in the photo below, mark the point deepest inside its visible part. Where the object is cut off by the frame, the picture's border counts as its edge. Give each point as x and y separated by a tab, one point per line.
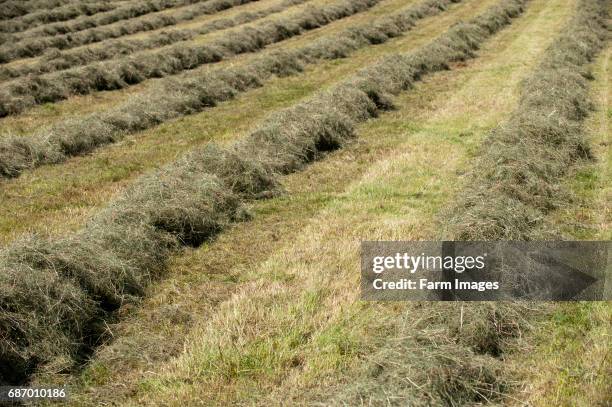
517	178
113	48
18	95
63	13
56	292
31	43
174	98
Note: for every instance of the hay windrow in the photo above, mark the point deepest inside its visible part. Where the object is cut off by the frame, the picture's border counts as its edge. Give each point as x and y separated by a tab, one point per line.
430	362
517	178
174	98
57	60
17	95
187	202
36	42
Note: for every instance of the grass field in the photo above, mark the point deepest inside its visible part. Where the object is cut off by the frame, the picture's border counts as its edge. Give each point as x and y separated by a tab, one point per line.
184	186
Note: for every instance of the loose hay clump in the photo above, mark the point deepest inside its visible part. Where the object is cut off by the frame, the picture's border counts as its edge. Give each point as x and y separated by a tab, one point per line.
43	318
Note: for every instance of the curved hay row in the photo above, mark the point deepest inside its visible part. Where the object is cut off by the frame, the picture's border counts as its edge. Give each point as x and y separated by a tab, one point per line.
33	43
517	178
18	95
174	98
53	293
61	60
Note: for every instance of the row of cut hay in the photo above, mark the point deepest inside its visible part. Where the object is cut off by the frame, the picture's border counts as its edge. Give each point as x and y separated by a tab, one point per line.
17	8
53	293
18	95
453	362
25	45
517	178
123	12
67	12
60	60
173	98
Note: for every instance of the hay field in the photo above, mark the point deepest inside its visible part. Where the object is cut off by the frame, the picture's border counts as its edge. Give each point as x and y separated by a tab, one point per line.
184	186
